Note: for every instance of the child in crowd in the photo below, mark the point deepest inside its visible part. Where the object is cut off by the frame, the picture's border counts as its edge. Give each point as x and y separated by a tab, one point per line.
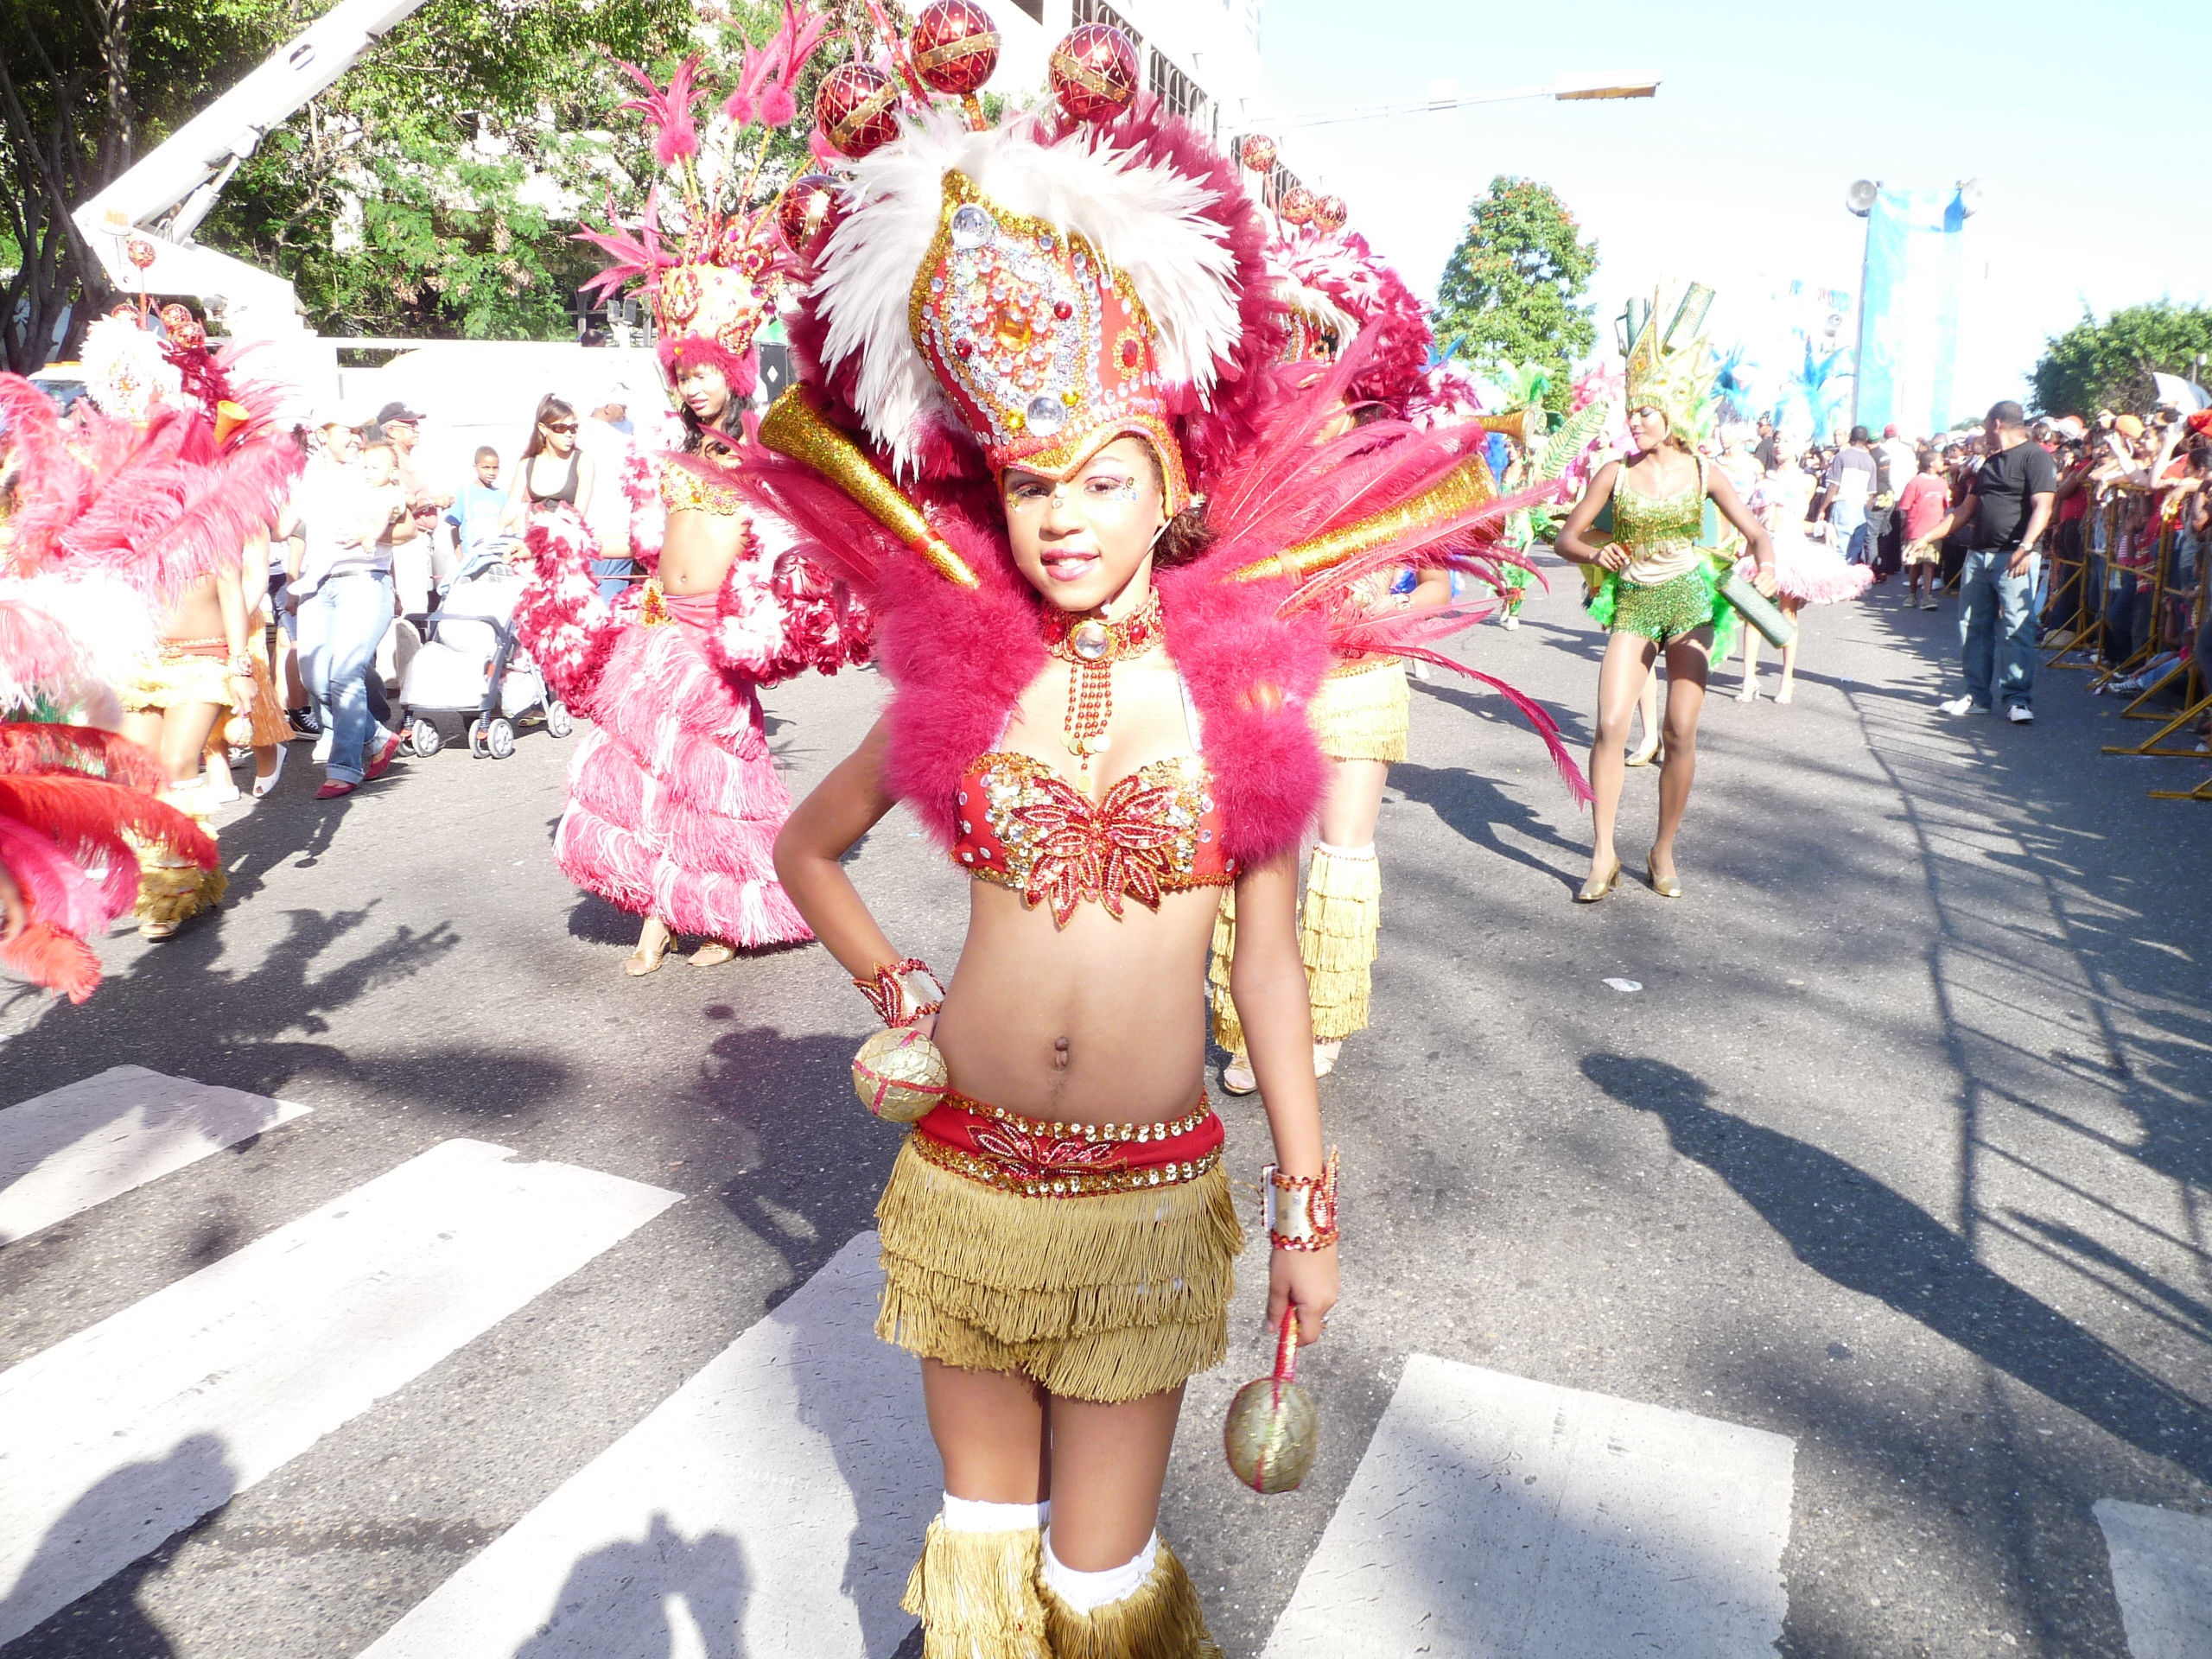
1926	499
474	514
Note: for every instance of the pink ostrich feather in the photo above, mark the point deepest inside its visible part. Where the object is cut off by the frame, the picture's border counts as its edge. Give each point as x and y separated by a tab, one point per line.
635	256
676	136
1392	321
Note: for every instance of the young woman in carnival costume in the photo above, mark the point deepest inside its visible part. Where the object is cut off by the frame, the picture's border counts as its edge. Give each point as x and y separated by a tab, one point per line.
1655	583
1806	571
674	800
1025	352
166	477
1334	290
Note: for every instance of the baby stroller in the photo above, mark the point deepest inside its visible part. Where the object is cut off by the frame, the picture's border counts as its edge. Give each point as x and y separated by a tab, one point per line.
472	663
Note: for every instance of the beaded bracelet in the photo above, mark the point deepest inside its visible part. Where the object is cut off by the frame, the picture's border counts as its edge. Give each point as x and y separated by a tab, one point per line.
1301	1209
902	993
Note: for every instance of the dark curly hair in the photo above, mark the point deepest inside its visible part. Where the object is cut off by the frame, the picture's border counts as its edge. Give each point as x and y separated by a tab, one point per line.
1186	535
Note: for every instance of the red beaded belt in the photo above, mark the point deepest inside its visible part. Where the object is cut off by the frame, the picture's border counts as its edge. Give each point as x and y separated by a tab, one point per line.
1066	1161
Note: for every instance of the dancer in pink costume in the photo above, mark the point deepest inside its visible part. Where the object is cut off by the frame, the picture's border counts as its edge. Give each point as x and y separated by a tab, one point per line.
1806	572
674	800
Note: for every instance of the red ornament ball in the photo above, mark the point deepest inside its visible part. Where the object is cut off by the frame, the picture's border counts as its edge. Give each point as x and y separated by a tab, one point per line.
1296	206
805	214
139	251
1094	72
954	46
185	330
1258	153
855	106
1330	215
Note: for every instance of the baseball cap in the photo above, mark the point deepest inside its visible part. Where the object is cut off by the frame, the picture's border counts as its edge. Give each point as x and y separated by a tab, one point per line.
2129	426
396	410
1890	430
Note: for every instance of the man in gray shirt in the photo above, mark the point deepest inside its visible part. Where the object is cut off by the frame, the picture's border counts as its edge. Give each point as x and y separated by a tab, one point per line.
345	598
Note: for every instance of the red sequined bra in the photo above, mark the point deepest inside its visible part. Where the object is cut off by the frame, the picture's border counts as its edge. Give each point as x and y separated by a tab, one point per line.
1024	826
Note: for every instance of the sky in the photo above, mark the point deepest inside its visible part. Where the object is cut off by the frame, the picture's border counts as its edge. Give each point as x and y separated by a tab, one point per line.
2078	123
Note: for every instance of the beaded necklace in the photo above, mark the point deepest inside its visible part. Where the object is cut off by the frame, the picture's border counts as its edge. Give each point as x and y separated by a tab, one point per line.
1090	645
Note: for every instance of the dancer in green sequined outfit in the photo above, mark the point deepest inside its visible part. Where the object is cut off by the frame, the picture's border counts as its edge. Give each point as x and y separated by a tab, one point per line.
1658	591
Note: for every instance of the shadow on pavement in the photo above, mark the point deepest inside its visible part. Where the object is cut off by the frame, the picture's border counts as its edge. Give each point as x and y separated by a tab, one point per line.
1862	1236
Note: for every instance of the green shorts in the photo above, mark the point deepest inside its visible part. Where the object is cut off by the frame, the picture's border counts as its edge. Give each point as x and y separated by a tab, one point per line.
1668	610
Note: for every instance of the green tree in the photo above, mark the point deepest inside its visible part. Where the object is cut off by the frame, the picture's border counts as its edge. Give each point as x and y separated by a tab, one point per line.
433	190
2108	365
1509	290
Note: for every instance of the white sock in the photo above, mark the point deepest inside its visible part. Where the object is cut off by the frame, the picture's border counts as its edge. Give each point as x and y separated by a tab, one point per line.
974	1515
1085	1593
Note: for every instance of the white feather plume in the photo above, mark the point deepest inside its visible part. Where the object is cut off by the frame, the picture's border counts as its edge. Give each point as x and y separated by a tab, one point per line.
1149	221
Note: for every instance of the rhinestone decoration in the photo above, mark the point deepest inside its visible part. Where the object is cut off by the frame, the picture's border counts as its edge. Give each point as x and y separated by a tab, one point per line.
1045	349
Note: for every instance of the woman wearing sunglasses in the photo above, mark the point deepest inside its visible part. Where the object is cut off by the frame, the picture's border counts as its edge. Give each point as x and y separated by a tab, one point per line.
554	472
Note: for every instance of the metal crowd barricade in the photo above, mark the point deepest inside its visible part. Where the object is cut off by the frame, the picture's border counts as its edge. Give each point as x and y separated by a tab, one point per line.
2087	638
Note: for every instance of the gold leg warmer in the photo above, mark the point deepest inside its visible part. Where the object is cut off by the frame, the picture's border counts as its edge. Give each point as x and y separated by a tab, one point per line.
976	1594
1227	1029
173	890
1161	1619
1337	937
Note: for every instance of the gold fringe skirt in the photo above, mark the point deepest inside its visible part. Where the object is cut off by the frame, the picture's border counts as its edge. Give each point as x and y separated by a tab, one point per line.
173	675
1338	932
172	889
1363	710
1337	938
1105	1298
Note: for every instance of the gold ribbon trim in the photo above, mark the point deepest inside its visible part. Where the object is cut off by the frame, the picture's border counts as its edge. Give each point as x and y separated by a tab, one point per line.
1467	485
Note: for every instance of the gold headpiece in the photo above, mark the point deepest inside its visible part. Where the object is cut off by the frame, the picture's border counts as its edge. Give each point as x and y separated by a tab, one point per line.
1672	369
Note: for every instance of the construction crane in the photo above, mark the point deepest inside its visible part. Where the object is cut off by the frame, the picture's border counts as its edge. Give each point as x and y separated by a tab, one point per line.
160	201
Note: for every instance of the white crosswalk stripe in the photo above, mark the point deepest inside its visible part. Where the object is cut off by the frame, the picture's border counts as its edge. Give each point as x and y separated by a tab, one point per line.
774	1503
2162	1574
94	1140
779	1495
1499	1518
122	1434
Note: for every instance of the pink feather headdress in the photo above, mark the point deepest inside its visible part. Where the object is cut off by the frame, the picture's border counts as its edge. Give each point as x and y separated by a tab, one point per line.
1335	287
709	260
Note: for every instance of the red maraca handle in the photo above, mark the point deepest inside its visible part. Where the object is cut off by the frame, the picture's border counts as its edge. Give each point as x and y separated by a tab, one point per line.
1286	1347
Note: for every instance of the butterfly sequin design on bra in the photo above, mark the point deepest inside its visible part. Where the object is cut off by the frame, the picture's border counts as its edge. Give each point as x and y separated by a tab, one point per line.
1023	826
682	490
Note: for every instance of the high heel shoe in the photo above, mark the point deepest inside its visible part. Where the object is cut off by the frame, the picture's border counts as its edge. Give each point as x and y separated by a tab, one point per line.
1593	890
1667	886
1644	755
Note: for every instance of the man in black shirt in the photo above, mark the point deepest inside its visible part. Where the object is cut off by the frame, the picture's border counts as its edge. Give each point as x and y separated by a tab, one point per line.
2009	507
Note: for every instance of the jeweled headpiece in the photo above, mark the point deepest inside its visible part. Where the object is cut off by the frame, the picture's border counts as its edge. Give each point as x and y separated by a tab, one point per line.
1671	366
1045	349
709	261
1036	290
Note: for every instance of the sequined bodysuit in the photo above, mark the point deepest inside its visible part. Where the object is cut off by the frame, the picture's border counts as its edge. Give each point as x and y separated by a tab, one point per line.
1023	826
1660	531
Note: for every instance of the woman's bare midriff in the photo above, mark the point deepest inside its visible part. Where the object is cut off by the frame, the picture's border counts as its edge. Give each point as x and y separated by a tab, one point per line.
1039	1020
197	615
698	550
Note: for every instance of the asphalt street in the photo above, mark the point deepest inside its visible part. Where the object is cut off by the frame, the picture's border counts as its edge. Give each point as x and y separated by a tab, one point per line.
1885	1151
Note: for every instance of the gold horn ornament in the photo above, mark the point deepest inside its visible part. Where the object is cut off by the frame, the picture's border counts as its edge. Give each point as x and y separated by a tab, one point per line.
795	426
1467	485
1523	426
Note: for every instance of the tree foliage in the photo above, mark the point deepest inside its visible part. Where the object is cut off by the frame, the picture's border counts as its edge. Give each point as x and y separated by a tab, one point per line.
433	190
1510	291
2108	365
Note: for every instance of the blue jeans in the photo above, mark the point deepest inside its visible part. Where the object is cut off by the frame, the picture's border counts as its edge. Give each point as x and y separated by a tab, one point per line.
341	625
1850	522
1996	629
613	577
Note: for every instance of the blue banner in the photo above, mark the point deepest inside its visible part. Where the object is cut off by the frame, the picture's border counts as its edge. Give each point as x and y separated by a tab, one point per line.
1908	330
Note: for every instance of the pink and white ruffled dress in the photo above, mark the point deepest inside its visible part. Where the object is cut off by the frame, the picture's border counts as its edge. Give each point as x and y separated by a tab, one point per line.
1811	572
674	799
